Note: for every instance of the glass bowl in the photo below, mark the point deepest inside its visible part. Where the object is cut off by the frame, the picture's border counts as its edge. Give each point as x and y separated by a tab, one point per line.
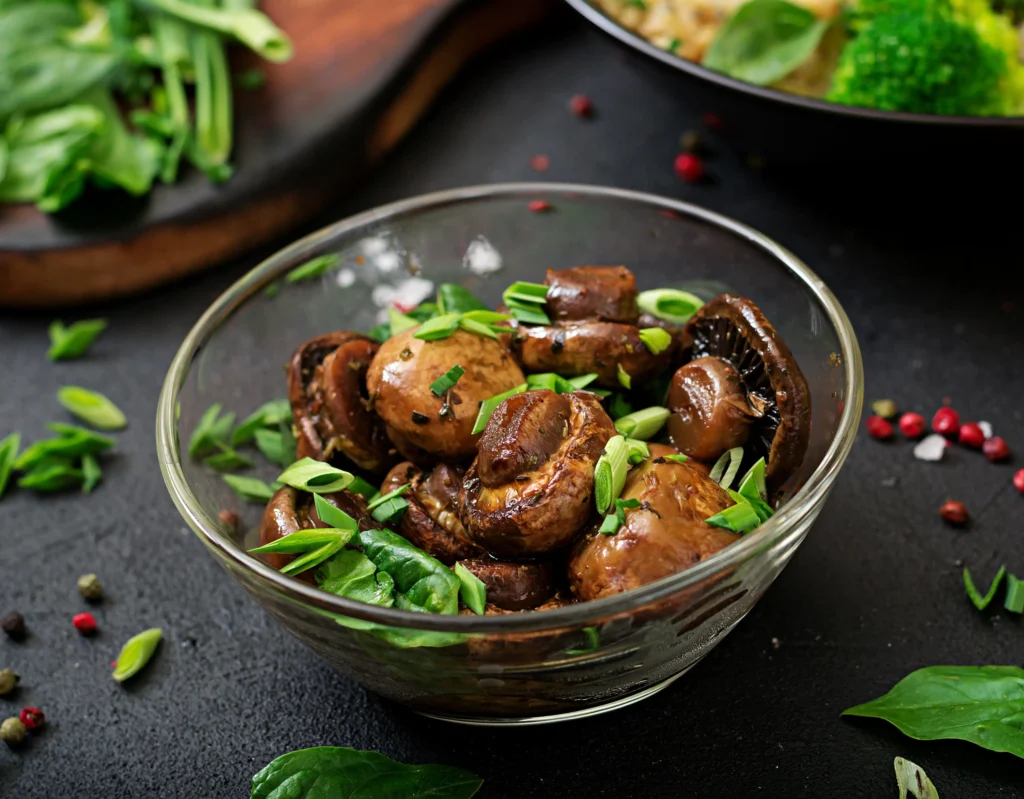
521	668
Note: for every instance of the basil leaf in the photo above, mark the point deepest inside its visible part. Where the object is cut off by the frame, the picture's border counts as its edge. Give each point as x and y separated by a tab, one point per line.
315	476
8	456
353	575
764	41
911	777
73	341
421	581
342	773
92	407
136	653
91	472
249	488
983	705
314	268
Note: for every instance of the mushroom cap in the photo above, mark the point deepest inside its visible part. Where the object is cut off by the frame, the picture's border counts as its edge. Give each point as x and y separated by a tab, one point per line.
601	293
665	535
548	497
399	382
327	392
514	586
734	329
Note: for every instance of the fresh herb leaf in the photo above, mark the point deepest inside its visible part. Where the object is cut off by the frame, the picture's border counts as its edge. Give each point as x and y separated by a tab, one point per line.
452	298
610	473
656	339
911	777
489	405
643	425
447	380
593	641
982	602
250	488
92	407
342	773
316	267
739	518
670	305
753	483
74	341
227	460
315	476
269	414
764	41
421	581
983	705
725	468
438	328
472	590
277	446
399	322
353	575
136	653
8	457
624	378
91	473
1014	590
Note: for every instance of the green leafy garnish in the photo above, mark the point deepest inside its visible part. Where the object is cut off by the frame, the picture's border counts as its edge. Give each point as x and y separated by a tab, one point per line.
472	590
316	267
613	521
389	510
739	518
136	653
92	407
911	777
643	425
8	456
52	474
680	458
363	488
277	446
211	429
71	442
91	473
452	298
332	515
438	328
619	406
656	339
670	305
624	379
421	581
342	773
725	468
488	406
73	341
979	704
268	415
227	460
582	381
761	508
753	483
447	380
610	473
250	489
354	576
1014	594
982	602
525	301
307	540
399	322
315	476
592	642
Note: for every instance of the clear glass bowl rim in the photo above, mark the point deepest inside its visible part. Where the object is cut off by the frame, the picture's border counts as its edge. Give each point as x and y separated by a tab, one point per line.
782	526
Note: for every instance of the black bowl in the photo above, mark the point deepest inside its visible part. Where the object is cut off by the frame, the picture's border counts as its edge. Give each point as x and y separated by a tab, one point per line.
788	127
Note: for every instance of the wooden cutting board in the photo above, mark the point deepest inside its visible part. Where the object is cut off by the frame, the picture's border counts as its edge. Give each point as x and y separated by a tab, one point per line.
363	72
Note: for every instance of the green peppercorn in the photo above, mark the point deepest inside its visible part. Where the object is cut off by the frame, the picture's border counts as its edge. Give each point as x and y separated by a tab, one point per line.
89	587
885	408
8	679
12	731
691	141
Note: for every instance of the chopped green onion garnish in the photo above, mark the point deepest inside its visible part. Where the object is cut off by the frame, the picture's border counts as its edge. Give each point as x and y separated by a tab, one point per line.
619	406
593	641
73	341
136	653
447	380
399	321
488	406
761	508
71	442
487	317
739	518
311	269
673	44
477	328
725	468
753	484
8	455
305	540
527	314
210	429
677	458
523	291
424	311
644	424
332	515
250	488
982	602
638	451
227	460
315	476
277	446
641	4
610	525
613	521
269	414
314	557
656	339
92	407
624	379
438	328
1014	594
390	495
472	590
390	510
582	381
363	488
672	305
52	474
452	298
610	473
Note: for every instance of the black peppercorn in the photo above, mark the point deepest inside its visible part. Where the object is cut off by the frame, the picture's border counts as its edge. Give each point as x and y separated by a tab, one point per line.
14	625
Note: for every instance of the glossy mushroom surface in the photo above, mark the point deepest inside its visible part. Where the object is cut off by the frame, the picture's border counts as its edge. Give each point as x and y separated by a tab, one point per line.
665	535
601	293
514	586
426	427
531	487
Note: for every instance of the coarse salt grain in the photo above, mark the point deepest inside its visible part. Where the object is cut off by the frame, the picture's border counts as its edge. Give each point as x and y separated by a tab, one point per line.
986	428
930	448
345	278
481	257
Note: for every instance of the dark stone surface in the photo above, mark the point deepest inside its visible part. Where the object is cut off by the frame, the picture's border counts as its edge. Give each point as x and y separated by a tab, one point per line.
874	593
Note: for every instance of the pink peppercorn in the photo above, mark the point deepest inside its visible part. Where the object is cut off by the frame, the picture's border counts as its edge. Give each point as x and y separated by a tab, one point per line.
971	435
689	167
912	425
879	428
581	106
946	422
32	717
538	206
1018	480
996	449
85	623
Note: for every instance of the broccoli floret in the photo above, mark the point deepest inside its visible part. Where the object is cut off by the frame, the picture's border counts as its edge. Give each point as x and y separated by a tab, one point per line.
920	62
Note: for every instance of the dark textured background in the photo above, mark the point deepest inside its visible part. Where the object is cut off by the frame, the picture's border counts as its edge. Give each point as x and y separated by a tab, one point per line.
932	281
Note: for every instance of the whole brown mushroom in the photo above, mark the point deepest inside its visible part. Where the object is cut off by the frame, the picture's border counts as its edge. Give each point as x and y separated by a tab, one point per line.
514	586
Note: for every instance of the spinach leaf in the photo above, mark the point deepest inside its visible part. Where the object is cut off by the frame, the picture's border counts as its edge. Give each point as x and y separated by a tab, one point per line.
337	772
764	41
980	704
421	581
353	575
34	24
120	157
48	76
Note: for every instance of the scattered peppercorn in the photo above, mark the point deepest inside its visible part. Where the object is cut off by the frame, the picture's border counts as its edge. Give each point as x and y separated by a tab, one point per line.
8	681
1018	480
90	588
971	435
689	167
32	717
712	120
955	513
885	408
996	449
229	519
85	623
14	625
540	163
946	422
581	106
879	428
538	206
912	425
12	731
691	141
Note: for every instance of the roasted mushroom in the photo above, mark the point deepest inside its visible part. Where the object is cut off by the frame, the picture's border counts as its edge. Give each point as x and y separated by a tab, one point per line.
600	293
734	330
431	522
529	490
327	391
514	586
426	427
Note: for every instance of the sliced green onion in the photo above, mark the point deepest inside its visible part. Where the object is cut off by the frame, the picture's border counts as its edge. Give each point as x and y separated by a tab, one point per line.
136	653
593	641
550	380
452	298
317	267
361	487
638	450
680	458
227	460
423	311
447	380
1014	594
52	474
624	379
982	602
277	446
305	540
739	518
487	317
92	408
610	525
8	456
753	483
619	406
400	322
250	488
761	508
210	429
472	590
390	495
315	476
527	314
333	515
613	521
535	293
582	381
72	442
488	406
390	511
438	328
656	339
314	557
643	425
722	475
477	328
269	414
610	473
75	340
672	305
